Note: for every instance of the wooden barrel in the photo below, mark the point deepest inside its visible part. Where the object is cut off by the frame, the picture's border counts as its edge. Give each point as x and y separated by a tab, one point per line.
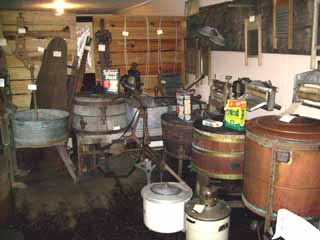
296	149
99	114
217	152
177	136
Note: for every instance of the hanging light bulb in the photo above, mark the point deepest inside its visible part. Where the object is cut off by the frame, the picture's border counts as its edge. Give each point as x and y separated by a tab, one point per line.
59	6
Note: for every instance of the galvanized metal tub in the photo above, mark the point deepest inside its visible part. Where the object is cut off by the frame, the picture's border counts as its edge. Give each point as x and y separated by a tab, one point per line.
99	114
217	152
155	107
296	149
177	136
50	129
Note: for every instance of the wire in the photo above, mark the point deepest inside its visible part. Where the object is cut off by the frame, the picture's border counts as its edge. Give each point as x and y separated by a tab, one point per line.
176	48
124	133
148	51
159	49
125	47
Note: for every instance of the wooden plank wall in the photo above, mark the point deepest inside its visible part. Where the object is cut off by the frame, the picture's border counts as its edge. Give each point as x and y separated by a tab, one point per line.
44	22
37	24
137	44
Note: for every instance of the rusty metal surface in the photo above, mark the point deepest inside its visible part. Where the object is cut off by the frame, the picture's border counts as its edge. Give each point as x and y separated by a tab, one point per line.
300	129
49	130
297	183
177	136
99	114
217	152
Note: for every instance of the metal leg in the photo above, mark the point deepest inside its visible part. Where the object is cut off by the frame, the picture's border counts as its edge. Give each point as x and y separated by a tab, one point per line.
180	169
147	167
67	162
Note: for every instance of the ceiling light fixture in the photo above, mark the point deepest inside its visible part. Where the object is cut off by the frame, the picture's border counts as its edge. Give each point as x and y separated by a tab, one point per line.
60	6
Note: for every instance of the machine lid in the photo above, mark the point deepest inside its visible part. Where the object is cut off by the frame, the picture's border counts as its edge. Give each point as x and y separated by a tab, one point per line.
165	189
215	213
98	98
300	129
166	192
220	130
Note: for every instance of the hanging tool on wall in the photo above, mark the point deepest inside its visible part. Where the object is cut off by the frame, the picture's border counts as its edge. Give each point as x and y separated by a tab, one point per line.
5	90
22	54
132	80
103	41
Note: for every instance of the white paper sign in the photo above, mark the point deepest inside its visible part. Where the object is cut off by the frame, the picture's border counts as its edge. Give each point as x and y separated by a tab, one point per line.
212	123
163	81
156	144
252	18
116	128
3	42
159	32
287	118
32	87
101	48
87	48
22	30
125	33
56	53
199	208
2	83
41	49
293	227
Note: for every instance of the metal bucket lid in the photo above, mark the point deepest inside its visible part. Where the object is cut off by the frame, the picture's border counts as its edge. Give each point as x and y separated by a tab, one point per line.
165	189
215	213
166	192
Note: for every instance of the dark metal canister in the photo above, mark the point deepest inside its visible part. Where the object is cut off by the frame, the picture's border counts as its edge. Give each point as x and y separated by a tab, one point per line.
295	149
177	136
217	152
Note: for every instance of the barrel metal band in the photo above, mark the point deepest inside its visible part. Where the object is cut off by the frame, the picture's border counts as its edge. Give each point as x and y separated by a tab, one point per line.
217	175
205	152
99	116
287	144
93	103
198	134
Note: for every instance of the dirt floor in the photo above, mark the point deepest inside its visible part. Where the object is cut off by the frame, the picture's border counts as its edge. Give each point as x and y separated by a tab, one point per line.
100	207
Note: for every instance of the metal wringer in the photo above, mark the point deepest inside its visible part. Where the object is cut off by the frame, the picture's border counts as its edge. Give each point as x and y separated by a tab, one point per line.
260	94
306	95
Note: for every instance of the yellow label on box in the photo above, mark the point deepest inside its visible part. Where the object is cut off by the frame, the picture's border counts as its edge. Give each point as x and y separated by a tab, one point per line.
235	114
